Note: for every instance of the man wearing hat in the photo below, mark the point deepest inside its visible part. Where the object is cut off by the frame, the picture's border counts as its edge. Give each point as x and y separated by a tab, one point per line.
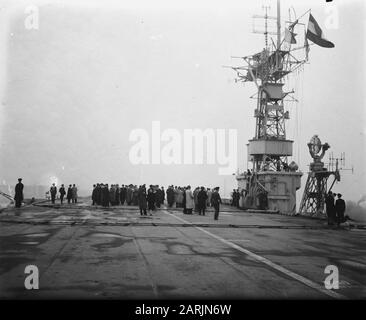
19	193
340	208
216	200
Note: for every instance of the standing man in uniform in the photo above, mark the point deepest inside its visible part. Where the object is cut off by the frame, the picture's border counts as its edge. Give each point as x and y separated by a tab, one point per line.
62	193
216	200
19	193
340	208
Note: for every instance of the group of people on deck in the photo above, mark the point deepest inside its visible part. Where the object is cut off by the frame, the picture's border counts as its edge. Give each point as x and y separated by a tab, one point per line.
130	194
71	195
198	199
148	199
235	198
182	197
176	195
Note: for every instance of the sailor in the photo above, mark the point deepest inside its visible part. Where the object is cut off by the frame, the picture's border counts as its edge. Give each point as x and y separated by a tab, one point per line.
53	192
340	208
62	193
18	197
216	200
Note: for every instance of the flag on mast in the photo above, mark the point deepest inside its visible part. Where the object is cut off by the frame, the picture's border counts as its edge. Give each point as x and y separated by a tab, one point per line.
315	34
290	36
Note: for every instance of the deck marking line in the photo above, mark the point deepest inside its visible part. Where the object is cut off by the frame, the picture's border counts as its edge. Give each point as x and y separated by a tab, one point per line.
273	265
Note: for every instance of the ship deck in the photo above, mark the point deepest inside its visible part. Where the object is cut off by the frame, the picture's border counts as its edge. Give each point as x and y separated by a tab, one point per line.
90	252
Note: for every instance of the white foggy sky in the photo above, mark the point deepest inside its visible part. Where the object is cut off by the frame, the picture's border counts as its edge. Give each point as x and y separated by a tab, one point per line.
73	90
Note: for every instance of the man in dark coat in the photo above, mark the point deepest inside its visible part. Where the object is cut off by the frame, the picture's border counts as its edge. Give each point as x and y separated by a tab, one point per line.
142	200
74	194
330	208
117	198
340	208
163	195
69	193
122	194
170	196
53	192
129	195
151	198
159	197
201	199
184	201
94	195
105	196
18	197
216	200
98	194
62	193
135	192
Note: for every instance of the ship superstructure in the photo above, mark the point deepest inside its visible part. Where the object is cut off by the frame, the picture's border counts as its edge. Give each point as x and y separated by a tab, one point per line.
271	181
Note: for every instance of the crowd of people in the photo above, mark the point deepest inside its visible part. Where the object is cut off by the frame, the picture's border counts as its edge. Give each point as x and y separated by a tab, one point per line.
114	195
148	199
198	199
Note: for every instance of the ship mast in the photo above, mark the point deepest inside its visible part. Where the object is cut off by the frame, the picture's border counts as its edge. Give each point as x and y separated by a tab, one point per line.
273	181
278	24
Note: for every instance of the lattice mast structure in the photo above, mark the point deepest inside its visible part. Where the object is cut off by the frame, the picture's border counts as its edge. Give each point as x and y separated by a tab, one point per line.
273	182
317	183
